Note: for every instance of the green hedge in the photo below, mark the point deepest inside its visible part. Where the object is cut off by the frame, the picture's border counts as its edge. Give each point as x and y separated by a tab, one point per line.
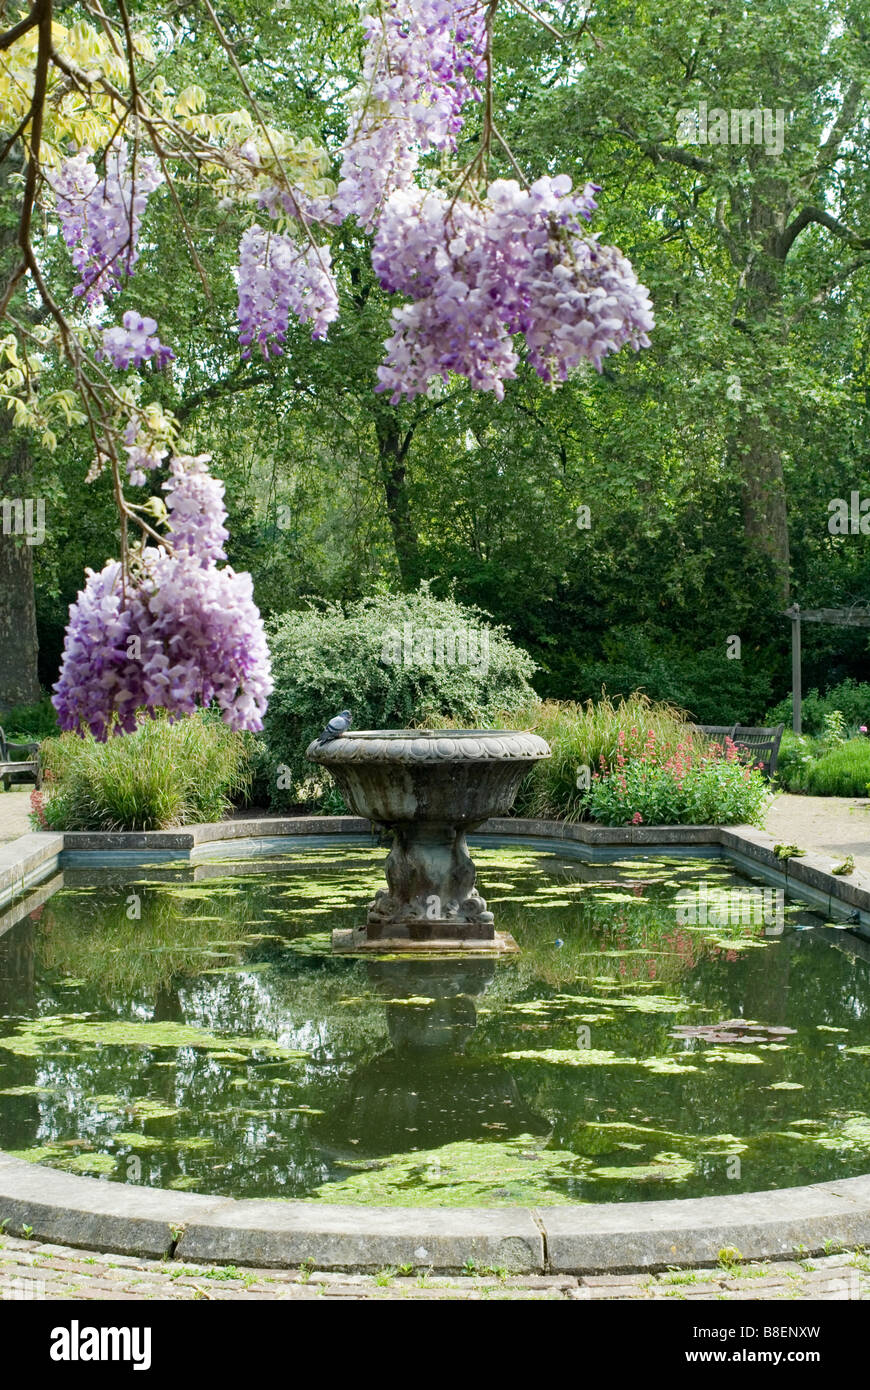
161	776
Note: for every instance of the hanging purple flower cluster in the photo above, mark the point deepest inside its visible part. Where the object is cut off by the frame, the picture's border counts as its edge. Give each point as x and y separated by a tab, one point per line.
478	273
133	343
144	453
478	270
100	215
277	277
183	633
422	63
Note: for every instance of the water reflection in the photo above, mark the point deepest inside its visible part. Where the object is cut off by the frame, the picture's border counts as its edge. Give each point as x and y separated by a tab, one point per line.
218	1041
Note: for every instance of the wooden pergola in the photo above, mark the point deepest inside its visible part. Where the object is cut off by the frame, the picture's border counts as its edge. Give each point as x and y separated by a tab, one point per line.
856	616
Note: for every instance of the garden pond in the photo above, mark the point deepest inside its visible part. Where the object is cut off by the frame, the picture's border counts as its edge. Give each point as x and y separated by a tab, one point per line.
189	1027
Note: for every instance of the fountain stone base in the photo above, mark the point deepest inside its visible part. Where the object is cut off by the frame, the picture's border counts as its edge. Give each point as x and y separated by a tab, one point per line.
429	789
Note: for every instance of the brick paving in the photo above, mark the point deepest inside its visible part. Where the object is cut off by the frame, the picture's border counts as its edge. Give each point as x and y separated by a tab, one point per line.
35	1270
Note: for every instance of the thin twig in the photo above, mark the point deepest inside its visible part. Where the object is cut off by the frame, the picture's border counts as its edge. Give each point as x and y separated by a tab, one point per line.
228	49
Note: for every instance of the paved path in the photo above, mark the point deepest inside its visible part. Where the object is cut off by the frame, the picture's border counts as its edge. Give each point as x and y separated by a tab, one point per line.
830	825
14	810
32	1270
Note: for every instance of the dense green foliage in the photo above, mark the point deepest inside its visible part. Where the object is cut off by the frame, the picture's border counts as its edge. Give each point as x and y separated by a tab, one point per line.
379	657
163	775
851	698
822	768
22	723
705	462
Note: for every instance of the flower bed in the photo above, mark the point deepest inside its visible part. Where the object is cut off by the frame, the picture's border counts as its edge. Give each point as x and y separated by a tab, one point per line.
689	787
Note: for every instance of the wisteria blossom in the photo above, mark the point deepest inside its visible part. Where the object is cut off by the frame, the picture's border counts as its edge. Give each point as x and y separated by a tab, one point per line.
133	343
195	502
279	276
424	60
100	215
521	261
491	276
182	633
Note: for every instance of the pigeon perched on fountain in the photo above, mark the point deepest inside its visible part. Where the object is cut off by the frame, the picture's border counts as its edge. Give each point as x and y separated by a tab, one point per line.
338	725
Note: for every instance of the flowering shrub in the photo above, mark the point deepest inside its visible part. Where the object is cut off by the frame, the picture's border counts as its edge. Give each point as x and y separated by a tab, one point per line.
581	735
357	656
713	787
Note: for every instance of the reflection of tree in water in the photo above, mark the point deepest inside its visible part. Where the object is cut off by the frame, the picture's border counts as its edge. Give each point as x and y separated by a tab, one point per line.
18	967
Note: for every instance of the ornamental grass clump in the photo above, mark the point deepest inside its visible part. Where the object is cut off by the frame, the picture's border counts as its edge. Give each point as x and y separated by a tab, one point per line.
585	737
165	774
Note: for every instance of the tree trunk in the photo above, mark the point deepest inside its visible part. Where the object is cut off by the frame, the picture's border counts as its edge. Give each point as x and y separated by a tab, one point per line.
755	448
392	451
762	490
19	681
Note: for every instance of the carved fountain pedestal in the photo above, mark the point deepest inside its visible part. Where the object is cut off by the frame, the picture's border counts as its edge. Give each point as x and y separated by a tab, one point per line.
429	788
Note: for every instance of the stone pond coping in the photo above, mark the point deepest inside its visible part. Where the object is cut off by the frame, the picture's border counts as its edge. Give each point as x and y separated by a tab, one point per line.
602	1237
63	1208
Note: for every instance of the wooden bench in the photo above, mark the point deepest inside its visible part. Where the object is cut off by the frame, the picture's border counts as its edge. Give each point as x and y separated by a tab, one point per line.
19	762
757	745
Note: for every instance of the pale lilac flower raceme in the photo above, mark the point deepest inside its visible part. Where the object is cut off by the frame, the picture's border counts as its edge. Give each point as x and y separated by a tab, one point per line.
195	502
133	343
479	273
423	61
277	277
100	215
98	680
184	634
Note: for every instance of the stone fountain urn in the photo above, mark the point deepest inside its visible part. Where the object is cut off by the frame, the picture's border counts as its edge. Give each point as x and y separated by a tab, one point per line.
429	788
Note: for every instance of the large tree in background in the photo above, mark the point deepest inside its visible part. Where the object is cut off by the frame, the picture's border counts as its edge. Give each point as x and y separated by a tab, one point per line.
748	237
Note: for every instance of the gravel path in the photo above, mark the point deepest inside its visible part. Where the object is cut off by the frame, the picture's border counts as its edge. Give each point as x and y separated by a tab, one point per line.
833	825
32	1270
14	810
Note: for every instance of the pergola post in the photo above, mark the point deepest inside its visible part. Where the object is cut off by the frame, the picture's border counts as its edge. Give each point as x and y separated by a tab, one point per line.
795	614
